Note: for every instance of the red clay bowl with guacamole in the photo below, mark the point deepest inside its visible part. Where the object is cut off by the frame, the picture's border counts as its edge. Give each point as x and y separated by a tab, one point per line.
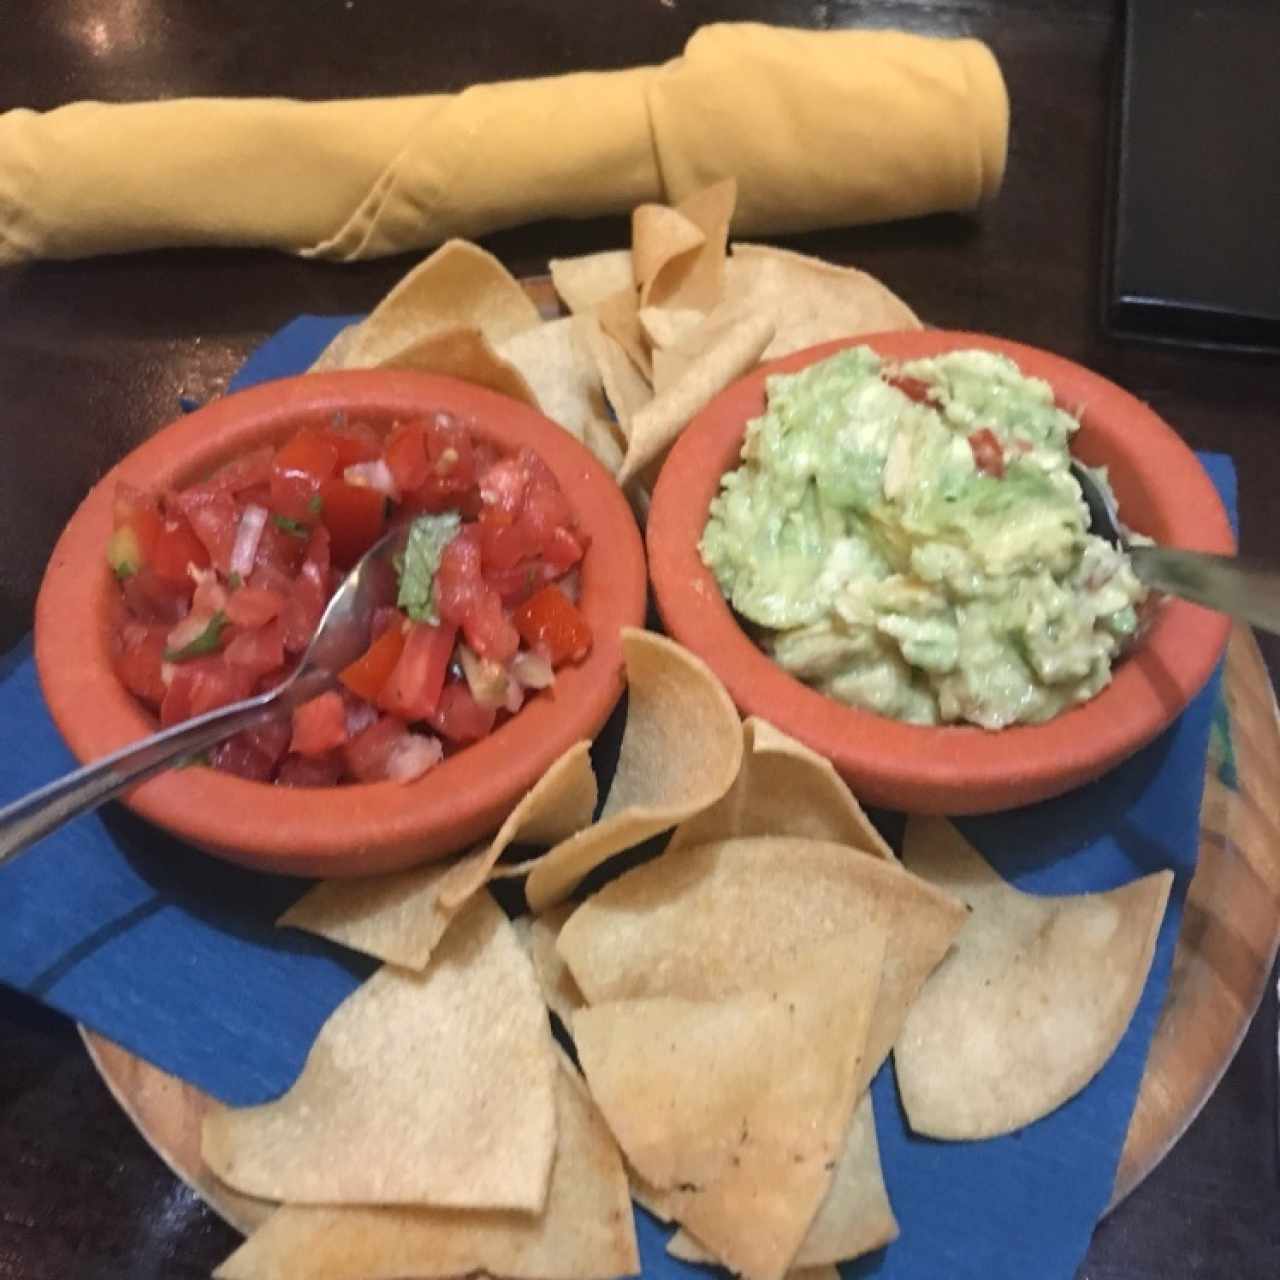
363	427
950	768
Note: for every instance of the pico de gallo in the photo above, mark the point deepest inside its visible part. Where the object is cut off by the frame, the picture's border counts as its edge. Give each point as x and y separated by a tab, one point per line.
223	583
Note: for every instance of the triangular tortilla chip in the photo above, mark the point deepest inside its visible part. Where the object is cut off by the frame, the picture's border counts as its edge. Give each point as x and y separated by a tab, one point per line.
400	918
855	1217
585	282
696	278
681	749
556	363
460	286
620	318
624	385
334	356
585	1232
659	234
810	301
718	919
538	935
434	1088
739	1108
668	327
783	789
606	441
1031	1002
655	425
464	354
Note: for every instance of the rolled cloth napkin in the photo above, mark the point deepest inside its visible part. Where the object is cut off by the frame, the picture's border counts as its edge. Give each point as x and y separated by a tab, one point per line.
821	128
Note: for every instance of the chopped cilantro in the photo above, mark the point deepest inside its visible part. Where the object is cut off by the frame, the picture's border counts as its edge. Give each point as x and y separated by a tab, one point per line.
205	642
315	504
295	528
428	537
234	581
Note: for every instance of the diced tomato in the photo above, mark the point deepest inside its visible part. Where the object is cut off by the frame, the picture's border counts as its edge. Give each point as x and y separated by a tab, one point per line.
545	510
247	472
355	443
257	651
175	549
368	753
459	717
550	622
210	596
152	599
136	528
503	485
214	518
413	687
305	771
384	616
254	753
504	542
299	469
355	518
514	586
360	714
466	600
309	594
913	388
367	675
278	551
138	658
406	456
251	606
320	725
202	684
987	453
563	550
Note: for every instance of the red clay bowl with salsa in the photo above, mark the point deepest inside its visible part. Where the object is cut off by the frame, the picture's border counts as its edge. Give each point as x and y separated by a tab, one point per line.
952	769
194	571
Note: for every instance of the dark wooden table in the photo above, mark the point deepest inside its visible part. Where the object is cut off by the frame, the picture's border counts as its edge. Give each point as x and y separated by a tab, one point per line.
94	356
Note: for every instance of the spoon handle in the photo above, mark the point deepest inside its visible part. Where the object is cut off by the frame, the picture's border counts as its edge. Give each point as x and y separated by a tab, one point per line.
37	814
1241	587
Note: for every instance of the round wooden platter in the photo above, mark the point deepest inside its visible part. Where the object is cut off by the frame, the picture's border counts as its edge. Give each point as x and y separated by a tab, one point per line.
1230	931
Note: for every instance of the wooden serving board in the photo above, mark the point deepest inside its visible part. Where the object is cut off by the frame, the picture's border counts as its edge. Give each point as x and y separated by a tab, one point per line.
1230	930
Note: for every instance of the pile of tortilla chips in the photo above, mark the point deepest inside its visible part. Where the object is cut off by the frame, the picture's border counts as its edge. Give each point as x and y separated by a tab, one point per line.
653	334
727	1002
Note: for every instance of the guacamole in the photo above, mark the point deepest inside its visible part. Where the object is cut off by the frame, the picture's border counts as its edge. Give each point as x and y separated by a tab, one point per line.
908	539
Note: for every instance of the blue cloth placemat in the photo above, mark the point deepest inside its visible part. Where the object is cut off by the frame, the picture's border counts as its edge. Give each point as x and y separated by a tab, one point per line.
174	955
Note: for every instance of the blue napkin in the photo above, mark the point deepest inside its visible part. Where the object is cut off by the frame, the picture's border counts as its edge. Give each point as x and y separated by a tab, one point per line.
174	955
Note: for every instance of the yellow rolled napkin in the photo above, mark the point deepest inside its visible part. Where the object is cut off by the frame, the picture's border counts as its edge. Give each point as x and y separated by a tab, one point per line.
820	129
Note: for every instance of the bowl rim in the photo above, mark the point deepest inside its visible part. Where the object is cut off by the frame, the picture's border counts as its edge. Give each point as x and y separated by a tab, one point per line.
952	769
357	828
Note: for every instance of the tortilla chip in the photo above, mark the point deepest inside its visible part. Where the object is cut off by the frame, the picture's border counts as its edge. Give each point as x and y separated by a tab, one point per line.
585	1232
739	1108
624	385
606	441
556	363
655	426
401	917
681	749
459	286
718	919
810	301
855	1217
619	317
696	277
464	354
585	282
669	326
783	789
1033	999
334	356
430	1089
658	235
538	934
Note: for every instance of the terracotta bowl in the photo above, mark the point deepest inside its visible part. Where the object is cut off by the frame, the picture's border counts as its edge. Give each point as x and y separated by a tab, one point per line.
1162	490
357	829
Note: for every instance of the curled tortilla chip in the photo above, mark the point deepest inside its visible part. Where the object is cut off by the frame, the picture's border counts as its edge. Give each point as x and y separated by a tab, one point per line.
430	1089
585	282
717	919
606	441
669	326
460	286
695	277
739	1108
624	384
783	789
855	1217
400	918
538	934
334	356
1032	1000
680	753
655	426
464	354
556	364
810	301
584	1232
619	317
659	234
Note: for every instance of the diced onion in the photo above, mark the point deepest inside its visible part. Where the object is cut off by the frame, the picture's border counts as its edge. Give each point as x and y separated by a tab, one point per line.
515	697
532	670
374	475
486	679
192	627
248	535
412	756
571	585
360	715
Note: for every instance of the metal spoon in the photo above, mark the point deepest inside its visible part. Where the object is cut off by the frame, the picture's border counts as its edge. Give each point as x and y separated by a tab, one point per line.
342	636
1241	586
